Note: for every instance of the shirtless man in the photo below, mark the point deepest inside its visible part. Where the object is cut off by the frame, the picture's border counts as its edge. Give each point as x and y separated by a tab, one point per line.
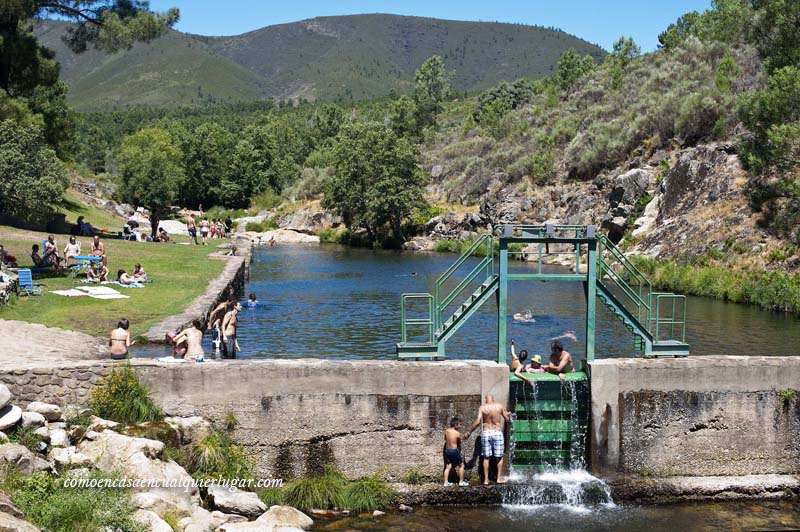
219	312
192	228
560	361
193	336
98	249
229	325
491	415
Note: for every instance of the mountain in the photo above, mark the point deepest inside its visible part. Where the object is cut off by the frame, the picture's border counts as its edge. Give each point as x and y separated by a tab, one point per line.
325	58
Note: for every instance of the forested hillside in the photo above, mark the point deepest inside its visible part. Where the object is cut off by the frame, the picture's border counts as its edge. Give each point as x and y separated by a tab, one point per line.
327	58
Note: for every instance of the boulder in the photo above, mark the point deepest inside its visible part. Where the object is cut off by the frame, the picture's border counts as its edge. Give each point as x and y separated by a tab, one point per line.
68	456
49	411
647	220
11	523
285	236
309	221
253	526
286	517
152	521
174	227
223	518
3	438
201	520
137	458
7	506
232	500
59	438
97	424
43	434
10	415
5	395
630	187
32	420
22	459
192	429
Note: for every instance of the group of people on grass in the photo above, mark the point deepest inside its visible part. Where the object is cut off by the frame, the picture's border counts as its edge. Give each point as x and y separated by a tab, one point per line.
214	228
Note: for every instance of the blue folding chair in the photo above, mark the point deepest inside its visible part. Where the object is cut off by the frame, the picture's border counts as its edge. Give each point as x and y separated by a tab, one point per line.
26	285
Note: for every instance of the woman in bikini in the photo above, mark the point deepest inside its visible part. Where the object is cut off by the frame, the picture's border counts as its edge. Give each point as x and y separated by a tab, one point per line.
120	340
72	250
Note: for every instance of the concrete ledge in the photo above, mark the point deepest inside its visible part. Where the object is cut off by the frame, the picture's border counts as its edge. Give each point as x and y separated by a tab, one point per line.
230	281
674	489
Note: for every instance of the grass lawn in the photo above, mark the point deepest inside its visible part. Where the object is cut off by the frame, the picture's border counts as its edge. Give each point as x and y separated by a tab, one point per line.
180	273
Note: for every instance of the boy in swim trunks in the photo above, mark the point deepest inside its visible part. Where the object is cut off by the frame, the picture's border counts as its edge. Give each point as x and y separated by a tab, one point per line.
452	453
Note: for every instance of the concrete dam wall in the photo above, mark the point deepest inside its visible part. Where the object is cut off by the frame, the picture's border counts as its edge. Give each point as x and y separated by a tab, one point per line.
701	416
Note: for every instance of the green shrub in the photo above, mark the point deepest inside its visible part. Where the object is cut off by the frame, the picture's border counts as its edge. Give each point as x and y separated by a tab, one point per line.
55	508
266	200
447	246
218	456
330	236
262	227
367	495
325	492
25	437
121	397
415	478
271	496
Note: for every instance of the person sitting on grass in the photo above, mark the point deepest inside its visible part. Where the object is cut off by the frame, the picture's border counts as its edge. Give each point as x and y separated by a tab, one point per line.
72	249
124	278
163	236
38	260
560	361
51	253
120	340
139	274
452	453
98	249
97	273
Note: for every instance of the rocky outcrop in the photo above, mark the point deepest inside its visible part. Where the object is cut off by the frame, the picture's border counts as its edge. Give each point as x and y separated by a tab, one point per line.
282	236
309	221
11	518
234	501
24	461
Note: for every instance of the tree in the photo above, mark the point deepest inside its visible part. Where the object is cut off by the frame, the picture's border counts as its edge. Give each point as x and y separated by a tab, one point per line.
376	181
677	32
33	179
403	117
775	33
624	51
432	89
207	164
28	71
151	172
571	68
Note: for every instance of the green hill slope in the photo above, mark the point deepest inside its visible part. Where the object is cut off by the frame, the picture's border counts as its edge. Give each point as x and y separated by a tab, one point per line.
326	58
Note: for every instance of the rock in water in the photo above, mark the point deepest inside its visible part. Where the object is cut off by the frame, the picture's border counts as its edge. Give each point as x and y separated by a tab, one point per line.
9	416
49	411
32	420
5	395
236	502
286	517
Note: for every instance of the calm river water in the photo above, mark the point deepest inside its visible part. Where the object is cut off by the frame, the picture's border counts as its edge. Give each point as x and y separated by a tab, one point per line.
330	301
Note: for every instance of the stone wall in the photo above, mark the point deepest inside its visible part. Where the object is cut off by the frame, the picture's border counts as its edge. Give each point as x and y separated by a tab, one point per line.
701	416
296	416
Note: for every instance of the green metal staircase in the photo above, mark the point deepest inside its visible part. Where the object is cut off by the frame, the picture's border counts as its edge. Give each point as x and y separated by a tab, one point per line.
657	320
440	325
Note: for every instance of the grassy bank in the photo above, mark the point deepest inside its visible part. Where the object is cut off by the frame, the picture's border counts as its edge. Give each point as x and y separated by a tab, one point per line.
776	290
181	273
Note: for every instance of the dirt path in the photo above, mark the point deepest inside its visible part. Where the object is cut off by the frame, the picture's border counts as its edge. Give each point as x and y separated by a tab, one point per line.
34	345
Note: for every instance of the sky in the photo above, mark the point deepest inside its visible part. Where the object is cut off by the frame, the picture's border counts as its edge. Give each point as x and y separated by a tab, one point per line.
599	22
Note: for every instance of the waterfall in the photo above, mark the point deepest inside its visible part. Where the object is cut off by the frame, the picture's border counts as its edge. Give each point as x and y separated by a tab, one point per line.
548	447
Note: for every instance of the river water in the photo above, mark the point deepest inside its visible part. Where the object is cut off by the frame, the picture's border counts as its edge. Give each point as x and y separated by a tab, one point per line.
330	301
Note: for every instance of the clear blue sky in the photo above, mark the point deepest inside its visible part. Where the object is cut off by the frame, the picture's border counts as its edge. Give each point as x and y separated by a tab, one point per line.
597	21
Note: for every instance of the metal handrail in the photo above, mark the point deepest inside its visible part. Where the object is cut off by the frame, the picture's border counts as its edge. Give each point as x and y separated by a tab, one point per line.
487	263
404	321
672	322
642	284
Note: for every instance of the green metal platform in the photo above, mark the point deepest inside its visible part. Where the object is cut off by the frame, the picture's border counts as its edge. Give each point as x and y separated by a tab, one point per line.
656	320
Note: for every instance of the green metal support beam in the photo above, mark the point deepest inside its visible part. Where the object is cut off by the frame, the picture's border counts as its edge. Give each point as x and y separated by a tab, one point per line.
502	303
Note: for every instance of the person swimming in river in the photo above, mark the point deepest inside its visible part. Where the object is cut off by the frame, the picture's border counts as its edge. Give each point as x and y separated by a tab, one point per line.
252	301
518	364
192	337
524	317
560	361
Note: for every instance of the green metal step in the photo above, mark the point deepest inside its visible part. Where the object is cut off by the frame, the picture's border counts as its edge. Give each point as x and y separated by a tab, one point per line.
544	425
544	406
537	437
538	468
540	454
417	350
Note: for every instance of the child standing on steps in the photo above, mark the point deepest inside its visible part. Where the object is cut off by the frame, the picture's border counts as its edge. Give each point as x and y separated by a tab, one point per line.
452	453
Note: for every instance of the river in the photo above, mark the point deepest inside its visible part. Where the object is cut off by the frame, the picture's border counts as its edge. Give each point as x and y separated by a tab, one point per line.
330	301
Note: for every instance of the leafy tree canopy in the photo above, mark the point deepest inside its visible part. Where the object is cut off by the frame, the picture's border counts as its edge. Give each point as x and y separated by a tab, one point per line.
33	179
432	90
